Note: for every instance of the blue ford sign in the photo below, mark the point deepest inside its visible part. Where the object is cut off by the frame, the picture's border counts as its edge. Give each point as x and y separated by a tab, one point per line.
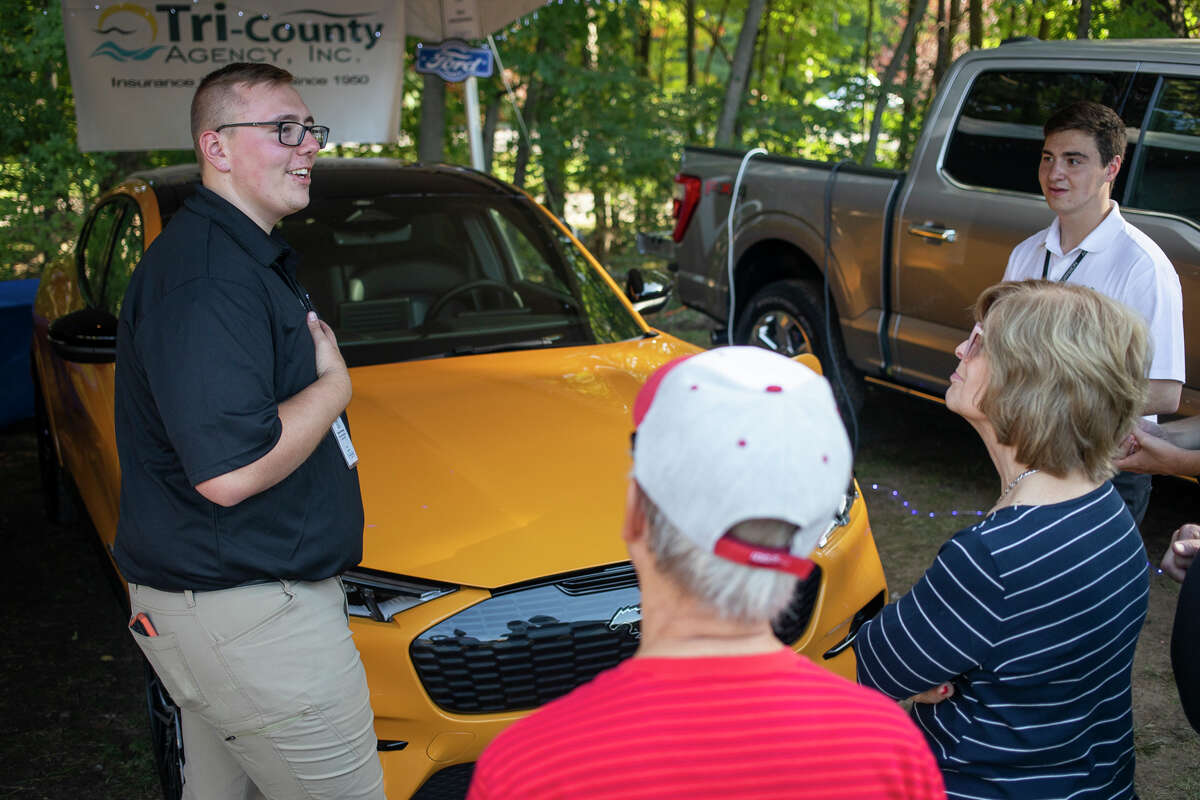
454	61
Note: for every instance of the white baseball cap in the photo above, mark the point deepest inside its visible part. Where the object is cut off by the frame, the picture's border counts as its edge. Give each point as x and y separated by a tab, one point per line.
740	433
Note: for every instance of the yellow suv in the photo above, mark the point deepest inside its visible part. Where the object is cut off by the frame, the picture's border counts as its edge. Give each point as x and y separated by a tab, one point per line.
494	366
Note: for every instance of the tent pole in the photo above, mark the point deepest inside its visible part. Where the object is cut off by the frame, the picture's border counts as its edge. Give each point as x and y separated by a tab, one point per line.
474	128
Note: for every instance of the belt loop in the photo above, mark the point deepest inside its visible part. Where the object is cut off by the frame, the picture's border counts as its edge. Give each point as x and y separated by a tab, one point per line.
286	585
189	597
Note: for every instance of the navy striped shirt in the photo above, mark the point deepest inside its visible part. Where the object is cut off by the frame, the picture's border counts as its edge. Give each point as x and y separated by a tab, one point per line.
1034	614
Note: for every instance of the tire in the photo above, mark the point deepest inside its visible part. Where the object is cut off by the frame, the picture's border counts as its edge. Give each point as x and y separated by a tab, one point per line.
58	493
789	318
166	735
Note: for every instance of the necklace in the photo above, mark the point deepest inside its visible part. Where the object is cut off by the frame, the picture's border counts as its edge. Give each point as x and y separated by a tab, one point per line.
1012	484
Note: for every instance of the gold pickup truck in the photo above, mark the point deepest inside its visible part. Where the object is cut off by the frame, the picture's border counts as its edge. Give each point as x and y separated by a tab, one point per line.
906	253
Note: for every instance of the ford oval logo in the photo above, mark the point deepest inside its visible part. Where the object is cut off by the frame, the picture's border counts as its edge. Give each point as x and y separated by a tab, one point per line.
454	61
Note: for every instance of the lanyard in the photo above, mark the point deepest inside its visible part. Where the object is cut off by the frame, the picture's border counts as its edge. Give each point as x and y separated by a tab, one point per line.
1070	269
294	285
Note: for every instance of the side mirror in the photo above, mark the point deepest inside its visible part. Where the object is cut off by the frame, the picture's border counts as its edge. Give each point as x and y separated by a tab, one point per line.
648	290
87	336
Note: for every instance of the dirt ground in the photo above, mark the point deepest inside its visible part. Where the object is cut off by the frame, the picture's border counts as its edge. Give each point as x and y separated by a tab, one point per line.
71	701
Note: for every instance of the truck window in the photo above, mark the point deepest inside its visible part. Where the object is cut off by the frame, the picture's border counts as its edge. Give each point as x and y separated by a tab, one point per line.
1168	165
997	139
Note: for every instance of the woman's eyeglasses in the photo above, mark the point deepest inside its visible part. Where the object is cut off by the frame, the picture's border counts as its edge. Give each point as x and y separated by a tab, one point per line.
974	342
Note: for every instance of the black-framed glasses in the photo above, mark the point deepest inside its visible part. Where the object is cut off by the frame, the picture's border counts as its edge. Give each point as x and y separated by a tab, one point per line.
290	133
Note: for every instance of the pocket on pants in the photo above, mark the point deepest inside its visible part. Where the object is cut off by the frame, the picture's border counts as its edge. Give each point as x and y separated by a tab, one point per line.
167	659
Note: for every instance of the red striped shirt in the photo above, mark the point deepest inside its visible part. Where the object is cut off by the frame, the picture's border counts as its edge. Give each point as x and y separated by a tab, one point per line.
771	725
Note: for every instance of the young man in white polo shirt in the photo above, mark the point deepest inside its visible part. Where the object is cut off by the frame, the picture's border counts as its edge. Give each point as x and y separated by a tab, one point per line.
1090	243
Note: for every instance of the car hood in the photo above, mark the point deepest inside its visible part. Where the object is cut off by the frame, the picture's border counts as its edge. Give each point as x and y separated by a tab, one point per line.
488	470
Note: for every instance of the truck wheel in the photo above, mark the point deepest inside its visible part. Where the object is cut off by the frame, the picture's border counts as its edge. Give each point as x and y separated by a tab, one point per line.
788	317
57	492
166	735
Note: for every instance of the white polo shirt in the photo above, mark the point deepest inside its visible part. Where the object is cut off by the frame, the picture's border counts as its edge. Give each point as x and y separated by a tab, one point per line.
1125	264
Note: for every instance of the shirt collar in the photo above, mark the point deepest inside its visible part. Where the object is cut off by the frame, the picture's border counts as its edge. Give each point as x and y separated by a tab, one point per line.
1099	239
263	248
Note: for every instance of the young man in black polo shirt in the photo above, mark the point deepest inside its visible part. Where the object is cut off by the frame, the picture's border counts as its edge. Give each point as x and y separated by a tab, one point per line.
240	503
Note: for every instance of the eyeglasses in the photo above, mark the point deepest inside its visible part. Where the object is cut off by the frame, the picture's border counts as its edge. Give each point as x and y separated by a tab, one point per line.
290	133
974	343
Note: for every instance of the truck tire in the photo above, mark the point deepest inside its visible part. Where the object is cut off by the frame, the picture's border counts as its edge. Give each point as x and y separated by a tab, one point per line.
788	317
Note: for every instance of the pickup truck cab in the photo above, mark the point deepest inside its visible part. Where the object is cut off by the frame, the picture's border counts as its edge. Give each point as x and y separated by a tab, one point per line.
906	253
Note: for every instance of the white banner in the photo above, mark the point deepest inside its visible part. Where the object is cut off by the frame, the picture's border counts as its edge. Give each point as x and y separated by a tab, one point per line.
134	68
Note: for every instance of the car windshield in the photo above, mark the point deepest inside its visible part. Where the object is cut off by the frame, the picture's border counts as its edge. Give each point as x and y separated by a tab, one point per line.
409	277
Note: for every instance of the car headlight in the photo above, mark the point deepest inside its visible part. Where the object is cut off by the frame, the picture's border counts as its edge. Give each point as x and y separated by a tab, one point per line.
381	595
843	514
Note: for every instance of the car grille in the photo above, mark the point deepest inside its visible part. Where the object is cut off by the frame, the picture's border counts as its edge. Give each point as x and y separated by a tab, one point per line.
523	647
527	646
792	622
450	783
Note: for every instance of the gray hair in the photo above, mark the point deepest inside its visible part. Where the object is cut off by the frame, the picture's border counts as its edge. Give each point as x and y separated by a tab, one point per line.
734	591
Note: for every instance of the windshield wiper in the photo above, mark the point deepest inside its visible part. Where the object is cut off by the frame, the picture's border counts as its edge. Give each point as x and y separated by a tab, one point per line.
501	347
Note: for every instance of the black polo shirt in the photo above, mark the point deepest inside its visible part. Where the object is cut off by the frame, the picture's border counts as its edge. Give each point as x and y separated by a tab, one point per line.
212	339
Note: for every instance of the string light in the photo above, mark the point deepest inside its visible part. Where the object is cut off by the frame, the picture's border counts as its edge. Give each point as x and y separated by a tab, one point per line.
887	492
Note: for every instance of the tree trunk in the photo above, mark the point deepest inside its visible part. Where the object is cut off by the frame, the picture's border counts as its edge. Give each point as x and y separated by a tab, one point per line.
715	35
976	24
690	13
600	234
529	114
866	57
742	58
942	60
948	22
431	138
916	10
905	137
764	32
952	32
1169	14
644	37
491	119
1043	31
664	54
554	183
1084	26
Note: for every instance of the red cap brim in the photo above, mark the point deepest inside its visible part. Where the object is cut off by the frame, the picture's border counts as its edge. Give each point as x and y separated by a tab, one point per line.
759	556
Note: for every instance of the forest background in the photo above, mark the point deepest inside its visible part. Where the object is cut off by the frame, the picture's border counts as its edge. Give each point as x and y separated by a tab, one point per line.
609	92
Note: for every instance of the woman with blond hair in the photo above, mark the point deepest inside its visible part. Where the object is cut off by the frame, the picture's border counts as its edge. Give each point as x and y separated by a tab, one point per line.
1018	641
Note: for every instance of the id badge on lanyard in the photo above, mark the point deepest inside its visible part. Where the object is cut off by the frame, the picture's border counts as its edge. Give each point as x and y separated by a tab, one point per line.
344	444
349	455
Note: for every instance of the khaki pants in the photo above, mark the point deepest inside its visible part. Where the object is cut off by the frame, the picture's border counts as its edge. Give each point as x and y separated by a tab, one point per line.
273	694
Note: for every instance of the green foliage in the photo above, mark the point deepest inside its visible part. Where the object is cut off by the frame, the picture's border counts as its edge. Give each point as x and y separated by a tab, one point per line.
603	87
43	177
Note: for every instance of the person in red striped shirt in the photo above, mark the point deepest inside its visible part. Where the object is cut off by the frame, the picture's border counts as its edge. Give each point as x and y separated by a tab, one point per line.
740	465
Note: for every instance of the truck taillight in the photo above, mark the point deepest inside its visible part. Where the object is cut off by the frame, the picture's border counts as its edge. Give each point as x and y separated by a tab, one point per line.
687	196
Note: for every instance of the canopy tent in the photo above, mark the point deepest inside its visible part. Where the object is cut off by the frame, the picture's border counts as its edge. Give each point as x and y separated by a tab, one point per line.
436	20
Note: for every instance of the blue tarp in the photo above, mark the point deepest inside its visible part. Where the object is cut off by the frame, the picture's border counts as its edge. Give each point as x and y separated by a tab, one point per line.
16	333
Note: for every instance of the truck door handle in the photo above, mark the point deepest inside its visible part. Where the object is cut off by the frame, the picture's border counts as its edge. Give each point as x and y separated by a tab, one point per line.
938	234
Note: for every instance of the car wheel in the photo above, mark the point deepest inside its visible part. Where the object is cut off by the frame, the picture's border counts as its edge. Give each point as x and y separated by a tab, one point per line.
166	735
788	317
58	496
